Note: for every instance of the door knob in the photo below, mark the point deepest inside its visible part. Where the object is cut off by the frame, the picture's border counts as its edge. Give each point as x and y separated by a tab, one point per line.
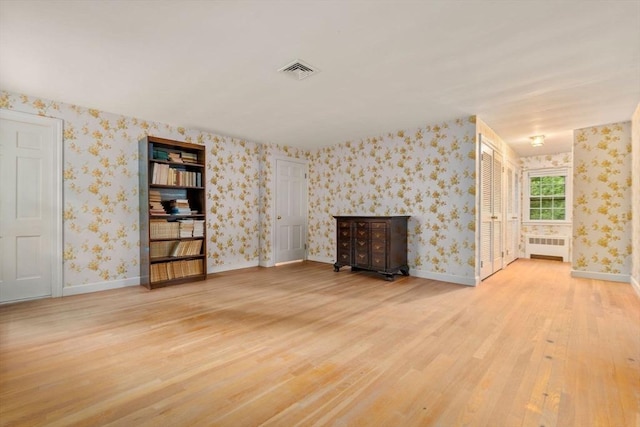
279	217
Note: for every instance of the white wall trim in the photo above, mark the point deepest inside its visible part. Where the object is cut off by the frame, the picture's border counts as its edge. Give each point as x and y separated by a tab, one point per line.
458	280
326	260
636	285
234	266
624	278
100	286
57	249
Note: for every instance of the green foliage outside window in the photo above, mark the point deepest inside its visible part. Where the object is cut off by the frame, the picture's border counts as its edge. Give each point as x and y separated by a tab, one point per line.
547	198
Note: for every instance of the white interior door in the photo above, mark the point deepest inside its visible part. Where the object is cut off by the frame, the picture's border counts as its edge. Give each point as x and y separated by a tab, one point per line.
491	211
512	215
291	211
30	207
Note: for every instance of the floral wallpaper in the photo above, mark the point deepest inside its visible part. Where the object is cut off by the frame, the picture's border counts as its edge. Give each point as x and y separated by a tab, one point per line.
542	162
428	173
602	199
233	189
635	186
100	191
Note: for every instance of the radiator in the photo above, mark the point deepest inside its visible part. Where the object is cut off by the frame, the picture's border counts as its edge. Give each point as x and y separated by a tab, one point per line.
547	245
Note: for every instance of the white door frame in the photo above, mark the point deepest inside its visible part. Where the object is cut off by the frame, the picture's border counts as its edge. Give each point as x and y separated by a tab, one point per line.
55	187
514	244
274	206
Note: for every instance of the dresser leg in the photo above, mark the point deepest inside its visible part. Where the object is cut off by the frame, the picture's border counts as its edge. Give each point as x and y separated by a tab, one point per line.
336	267
404	270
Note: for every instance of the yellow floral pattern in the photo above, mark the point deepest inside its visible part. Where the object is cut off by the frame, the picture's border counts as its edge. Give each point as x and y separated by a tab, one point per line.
428	173
602	199
635	186
101	191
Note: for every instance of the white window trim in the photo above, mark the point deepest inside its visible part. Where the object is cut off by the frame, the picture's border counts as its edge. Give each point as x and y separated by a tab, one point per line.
563	171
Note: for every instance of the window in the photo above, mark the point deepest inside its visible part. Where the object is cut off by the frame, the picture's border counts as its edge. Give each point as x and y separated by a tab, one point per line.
548	196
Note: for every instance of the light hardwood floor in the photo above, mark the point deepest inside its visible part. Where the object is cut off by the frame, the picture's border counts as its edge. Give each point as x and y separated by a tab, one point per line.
302	345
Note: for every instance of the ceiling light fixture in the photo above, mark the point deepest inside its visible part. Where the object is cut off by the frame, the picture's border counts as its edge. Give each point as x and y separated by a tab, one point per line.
537	141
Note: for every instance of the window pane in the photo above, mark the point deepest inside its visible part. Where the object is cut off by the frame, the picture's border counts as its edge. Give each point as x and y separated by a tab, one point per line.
534	186
547	201
558	189
546	214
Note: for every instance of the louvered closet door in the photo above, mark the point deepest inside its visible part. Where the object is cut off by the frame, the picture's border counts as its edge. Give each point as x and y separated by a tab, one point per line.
497	207
491	212
486	222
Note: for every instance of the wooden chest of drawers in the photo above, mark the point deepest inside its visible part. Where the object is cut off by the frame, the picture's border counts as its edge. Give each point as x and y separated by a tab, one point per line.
376	243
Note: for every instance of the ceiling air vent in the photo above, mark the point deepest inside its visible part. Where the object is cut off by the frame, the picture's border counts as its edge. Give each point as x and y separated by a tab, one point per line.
298	70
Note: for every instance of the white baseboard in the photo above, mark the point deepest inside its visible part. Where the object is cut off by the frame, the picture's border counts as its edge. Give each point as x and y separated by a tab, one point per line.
624	278
236	266
100	286
636	285
326	260
459	280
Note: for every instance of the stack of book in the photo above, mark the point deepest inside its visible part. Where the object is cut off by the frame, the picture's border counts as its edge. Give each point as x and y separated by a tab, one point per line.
160	154
198	228
161	229
155	203
186	227
175	157
179	207
189	157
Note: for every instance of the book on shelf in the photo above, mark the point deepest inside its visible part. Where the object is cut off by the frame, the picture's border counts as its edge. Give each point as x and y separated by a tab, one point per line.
198	228
160	154
186	227
162	229
179	207
155	203
189	157
163	174
176	269
161	249
175	157
186	248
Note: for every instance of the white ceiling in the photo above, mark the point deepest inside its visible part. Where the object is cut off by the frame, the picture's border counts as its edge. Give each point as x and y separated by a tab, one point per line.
524	67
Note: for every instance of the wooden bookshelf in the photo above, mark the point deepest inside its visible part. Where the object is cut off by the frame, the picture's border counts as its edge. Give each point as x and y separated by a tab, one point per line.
173	241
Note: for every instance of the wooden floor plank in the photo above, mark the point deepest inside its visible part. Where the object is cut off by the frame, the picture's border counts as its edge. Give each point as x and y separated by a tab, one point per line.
302	345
